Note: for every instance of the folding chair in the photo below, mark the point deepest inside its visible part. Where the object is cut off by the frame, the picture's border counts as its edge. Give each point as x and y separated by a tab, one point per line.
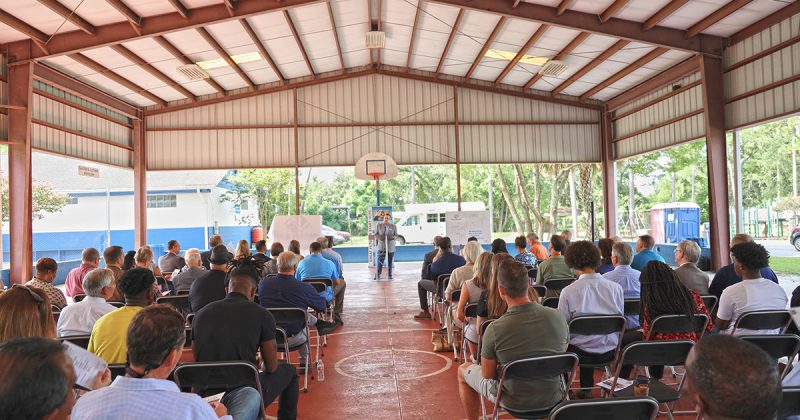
633	408
541	291
189	331
597	325
482	329
78	340
470	311
532	271
763	320
555	286
328	315
790	404
116	304
181	303
438	297
669	324
710	301
777	346
551	302
181	293
200	376
452	331
321	287
532	369
117	370
633	307
79	297
290	316
654	353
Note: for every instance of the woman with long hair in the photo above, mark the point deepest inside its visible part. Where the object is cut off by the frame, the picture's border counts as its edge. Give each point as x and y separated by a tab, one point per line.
242	250
663	294
25	312
294	246
471	292
129	261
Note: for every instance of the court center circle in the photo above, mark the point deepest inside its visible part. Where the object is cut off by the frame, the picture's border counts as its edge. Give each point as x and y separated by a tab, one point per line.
365	375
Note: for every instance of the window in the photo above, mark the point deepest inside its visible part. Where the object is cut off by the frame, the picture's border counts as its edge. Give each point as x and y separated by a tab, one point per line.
245	205
441	217
433	217
160	201
72	200
412	221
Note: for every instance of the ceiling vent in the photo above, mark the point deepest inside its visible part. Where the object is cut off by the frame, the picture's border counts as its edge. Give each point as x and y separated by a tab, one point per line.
376	38
193	72
553	68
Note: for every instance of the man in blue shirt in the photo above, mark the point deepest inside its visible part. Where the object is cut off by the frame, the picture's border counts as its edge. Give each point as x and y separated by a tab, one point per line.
523	256
315	265
645	252
726	276
625	276
329	254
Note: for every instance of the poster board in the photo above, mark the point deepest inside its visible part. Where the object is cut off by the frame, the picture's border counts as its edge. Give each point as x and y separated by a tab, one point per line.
376	214
460	225
304	228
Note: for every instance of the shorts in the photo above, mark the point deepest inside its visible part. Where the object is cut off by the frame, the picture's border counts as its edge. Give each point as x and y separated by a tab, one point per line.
486	387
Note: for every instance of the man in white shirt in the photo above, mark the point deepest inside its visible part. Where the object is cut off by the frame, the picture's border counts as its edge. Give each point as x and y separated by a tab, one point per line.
687	254
79	318
753	293
625	276
591	294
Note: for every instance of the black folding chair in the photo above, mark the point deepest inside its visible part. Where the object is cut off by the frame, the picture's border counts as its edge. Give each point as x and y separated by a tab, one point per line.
78	340
181	293
633	307
654	353
710	301
470	311
438	297
671	324
633	408
328	283
790	404
763	320
452	329
291	316
597	325
532	273
541	291
116	304
181	303
201	376
482	329
535	368
117	370
555	286
551	302
321	287
79	297
777	346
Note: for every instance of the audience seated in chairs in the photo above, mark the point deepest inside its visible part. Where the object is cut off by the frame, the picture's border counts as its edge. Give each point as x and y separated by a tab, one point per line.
46	269
171	261
25	312
144	259
726	276
663	294
591	294
526	330
687	255
554	267
294	246
129	261
210	287
523	256
444	263
242	250
271	266
79	318
625	276
645	252
114	259
261	252
499	246
155	341
339	285
536	248
213	242
283	291
753	293
317	266
191	272
471	292
606	246
471	252
728	378
109	333
90	259
236	328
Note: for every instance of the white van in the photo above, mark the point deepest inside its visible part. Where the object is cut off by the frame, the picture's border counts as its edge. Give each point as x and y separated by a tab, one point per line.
419	223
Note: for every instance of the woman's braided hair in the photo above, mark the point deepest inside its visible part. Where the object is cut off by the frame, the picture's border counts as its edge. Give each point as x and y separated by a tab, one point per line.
663	293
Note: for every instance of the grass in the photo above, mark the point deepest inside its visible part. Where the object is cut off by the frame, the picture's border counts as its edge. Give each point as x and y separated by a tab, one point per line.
785	265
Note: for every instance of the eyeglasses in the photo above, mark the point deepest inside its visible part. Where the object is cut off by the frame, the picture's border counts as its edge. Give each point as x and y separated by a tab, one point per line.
33	294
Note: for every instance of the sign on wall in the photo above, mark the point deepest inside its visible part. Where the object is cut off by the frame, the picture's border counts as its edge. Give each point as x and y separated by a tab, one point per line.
460	225
376	214
88	171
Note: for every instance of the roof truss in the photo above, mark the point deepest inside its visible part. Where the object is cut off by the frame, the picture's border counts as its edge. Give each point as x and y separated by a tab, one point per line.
652	55
69	15
486	46
225	56
715	17
262	49
450	38
591	65
299	42
560	56
105	71
522	51
184	60
132	57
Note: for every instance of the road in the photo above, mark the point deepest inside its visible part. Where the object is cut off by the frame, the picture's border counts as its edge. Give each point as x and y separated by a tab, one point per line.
779	247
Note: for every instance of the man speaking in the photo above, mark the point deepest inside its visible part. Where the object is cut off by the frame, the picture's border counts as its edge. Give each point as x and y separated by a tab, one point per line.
385	234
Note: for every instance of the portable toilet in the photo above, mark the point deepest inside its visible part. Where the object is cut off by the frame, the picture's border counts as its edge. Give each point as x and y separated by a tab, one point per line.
674	222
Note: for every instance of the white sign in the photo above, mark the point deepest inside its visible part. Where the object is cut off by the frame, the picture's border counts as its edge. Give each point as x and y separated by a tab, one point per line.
88	171
305	229
460	225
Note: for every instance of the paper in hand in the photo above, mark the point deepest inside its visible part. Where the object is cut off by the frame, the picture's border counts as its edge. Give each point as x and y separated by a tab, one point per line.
86	365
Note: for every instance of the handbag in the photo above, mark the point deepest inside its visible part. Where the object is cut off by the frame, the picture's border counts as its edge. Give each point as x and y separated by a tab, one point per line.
439	341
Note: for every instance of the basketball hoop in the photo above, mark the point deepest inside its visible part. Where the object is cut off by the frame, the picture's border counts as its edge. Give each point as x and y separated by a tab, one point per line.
376	167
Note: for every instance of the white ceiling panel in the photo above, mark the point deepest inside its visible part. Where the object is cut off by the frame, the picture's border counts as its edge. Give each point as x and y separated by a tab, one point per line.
398	21
594	7
434	28
691	13
277	37
8	34
164	62
641	10
35	14
745	16
149	7
96	12
472	34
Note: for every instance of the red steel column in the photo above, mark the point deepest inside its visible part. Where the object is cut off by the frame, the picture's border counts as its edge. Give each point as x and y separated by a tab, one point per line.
296	155
20	100
609	170
139	183
711	70
458	146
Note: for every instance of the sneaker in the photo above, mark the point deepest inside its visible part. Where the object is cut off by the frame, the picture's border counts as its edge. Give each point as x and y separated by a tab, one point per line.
443	330
423	315
338	319
325	327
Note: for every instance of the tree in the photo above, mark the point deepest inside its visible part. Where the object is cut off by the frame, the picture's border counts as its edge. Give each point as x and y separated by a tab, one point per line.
270	188
45	200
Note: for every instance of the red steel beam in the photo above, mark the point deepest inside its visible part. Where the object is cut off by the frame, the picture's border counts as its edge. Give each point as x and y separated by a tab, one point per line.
135	59
663	13
667	77
299	42
652	55
71	104
230	5
665	37
449	41
80	134
184	60
38	37
486	46
761	54
660	99
180	8
715	17
69	15
367	124
295	121
139	183
413	35
711	70
20	201
134	19
115	33
770	86
788	11
262	49
225	56
336	36
562	7
609	173
605	55
560	56
99	68
516	3
612	10
458	146
522	51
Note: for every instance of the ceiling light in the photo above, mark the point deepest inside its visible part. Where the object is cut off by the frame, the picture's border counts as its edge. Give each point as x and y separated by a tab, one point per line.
238	59
376	39
508	56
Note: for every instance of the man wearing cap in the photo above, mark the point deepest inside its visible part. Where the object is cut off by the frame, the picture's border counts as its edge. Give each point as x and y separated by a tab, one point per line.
211	286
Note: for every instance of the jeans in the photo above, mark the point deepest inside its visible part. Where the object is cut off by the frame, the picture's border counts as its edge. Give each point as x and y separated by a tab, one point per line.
243	403
381	256
283	383
423	287
587	373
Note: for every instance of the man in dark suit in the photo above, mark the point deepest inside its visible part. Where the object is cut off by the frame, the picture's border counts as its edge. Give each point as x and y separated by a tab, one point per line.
172	261
426	271
261	252
213	241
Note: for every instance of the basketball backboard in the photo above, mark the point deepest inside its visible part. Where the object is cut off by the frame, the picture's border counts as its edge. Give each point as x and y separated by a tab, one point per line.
375	165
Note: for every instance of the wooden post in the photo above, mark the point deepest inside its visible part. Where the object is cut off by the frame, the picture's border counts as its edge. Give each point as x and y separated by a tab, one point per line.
609	169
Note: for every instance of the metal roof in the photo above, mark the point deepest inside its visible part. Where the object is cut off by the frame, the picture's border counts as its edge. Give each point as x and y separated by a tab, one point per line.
262	42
